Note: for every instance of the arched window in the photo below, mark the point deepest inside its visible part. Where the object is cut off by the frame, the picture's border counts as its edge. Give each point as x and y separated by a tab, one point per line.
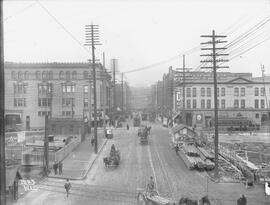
74	75
38	75
13	75
68	75
20	75
61	75
44	75
85	75
51	75
26	75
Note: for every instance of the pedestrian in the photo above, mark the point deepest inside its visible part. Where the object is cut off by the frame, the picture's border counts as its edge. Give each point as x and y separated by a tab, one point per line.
55	167
242	200
60	168
92	141
67	186
127	127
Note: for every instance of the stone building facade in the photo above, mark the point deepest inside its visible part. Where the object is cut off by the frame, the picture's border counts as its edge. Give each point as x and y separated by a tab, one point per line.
59	90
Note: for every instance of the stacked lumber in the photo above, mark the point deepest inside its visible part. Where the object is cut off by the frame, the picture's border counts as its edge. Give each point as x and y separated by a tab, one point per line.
205	154
190	150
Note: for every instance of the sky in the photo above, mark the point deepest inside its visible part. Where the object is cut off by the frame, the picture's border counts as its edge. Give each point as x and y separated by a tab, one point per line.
138	33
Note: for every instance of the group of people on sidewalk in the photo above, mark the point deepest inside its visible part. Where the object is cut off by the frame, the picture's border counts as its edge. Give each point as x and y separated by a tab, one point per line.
57	166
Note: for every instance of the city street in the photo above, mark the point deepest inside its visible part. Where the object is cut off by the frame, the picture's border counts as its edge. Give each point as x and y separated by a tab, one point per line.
138	162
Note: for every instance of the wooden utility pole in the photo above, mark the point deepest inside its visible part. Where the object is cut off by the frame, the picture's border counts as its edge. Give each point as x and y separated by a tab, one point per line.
2	114
46	148
266	100
184	69
114	93
92	39
214	67
122	89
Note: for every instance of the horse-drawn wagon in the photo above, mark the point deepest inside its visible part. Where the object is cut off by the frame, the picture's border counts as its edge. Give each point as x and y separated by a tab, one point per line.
113	160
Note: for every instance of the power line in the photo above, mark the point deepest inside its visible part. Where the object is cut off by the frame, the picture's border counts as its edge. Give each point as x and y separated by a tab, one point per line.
20	11
62	26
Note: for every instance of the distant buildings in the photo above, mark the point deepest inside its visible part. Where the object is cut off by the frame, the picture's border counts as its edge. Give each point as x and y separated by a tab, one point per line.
60	90
239	94
140	98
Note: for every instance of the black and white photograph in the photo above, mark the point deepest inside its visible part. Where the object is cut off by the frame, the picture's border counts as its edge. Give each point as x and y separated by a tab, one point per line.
135	102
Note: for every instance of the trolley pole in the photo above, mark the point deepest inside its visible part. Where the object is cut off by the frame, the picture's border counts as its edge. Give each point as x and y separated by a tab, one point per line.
2	114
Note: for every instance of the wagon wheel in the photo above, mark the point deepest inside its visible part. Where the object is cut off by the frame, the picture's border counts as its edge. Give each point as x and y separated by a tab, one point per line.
141	199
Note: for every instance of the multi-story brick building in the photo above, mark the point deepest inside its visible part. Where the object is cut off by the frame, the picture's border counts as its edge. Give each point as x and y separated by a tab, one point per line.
60	90
239	94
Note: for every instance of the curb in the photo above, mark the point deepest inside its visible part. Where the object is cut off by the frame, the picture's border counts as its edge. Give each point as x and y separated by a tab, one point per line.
87	169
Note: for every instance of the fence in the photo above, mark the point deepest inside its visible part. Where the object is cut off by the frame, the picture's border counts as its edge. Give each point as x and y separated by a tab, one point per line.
35	156
15	151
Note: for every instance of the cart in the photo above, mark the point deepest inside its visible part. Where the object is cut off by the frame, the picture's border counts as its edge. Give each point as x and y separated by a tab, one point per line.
112	161
152	198
109	134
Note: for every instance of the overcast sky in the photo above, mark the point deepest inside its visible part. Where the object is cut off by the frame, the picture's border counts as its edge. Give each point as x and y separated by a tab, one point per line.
137	33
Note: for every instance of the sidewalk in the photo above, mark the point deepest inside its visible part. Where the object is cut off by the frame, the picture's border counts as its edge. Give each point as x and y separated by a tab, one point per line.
77	164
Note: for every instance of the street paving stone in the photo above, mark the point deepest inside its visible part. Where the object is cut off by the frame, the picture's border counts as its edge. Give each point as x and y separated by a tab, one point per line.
138	162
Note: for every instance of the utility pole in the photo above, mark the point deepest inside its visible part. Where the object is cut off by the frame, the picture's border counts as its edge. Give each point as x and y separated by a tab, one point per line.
2	114
46	148
263	70
214	67
92	39
114	93
163	96
122	89
184	69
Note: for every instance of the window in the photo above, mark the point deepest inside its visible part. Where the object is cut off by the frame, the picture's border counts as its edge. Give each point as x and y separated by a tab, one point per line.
85	102
194	103
85	74
20	75
63	113
13	75
19	102
188	92
26	75
262	103
68	102
38	75
218	92
222	91
257	115
243	91
194	92
243	103
236	91
223	103
208	103
202	92
68	75
68	88
203	104
256	91
39	113
236	103
44	102
188	103
262	91
51	75
44	89
61	75
218	103
208	92
63	88
44	75
19	88
85	89
74	75
256	103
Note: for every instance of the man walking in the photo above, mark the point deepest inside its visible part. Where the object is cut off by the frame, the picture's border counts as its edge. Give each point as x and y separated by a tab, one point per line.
55	167
67	186
60	167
